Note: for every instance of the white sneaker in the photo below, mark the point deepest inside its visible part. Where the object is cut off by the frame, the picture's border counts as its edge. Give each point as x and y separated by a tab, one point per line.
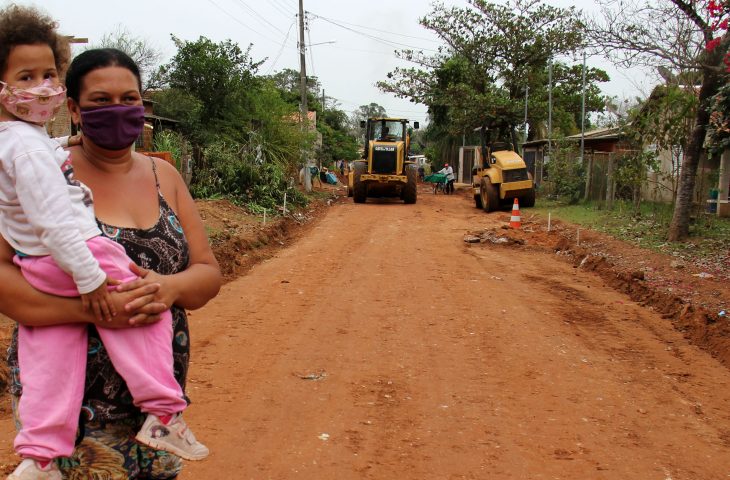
30	470
175	438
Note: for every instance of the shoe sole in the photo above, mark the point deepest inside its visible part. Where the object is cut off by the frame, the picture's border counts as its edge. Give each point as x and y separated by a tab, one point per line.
151	442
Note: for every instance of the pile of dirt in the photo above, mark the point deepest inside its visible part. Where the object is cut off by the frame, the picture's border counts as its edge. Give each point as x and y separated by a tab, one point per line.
240	240
697	302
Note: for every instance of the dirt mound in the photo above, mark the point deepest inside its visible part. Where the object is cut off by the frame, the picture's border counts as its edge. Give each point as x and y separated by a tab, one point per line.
694	300
241	240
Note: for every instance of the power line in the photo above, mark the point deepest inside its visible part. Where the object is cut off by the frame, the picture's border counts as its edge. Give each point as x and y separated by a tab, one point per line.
378	30
281	7
247	7
387	54
240	22
373	37
283	10
311	55
281	50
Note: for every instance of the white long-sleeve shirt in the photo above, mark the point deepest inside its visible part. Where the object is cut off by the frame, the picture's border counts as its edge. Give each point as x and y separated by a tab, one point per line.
43	210
448	171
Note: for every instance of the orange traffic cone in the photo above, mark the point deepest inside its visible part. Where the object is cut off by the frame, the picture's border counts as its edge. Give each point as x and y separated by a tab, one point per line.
515	221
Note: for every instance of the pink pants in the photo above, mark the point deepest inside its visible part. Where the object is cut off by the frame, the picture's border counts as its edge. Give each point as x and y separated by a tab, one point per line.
52	360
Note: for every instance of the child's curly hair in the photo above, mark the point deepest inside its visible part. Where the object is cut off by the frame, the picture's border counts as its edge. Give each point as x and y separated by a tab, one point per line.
21	25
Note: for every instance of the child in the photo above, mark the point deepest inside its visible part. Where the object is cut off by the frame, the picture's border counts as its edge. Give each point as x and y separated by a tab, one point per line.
47	216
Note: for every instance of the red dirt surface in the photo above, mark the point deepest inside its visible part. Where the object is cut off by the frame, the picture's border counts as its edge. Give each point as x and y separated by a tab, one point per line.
379	345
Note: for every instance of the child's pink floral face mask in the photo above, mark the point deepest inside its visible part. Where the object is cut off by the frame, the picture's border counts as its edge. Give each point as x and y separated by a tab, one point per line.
35	104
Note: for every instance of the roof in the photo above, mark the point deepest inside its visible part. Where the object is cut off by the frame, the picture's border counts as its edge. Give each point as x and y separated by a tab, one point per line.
394	119
611	133
149	116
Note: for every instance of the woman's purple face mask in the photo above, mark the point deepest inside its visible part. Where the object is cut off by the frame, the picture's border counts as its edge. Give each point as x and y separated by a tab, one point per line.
113	127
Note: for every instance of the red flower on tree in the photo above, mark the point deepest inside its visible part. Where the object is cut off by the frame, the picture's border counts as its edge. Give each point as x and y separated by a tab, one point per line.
719	11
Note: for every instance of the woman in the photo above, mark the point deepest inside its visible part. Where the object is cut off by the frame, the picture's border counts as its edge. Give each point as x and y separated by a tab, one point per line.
144	205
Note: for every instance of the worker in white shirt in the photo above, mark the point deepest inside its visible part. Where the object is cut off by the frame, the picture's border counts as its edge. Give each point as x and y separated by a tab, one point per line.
449	172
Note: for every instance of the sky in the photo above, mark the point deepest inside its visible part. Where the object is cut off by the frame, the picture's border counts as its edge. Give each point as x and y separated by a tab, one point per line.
350	43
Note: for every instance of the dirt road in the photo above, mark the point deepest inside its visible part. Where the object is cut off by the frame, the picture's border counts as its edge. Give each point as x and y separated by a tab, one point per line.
381	346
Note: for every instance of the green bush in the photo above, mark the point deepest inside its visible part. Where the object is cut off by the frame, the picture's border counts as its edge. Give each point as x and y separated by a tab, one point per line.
245	175
566	173
173	142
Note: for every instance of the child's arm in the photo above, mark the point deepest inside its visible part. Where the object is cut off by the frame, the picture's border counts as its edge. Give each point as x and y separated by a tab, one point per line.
68	141
43	193
32	308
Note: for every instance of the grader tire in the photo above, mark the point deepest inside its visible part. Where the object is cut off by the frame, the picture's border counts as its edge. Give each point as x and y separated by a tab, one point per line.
410	191
359	188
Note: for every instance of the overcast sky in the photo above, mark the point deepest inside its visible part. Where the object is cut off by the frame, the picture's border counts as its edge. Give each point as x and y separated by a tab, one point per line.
365	33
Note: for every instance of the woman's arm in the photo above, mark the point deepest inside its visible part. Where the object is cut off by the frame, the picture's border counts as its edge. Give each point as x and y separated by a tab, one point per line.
201	280
32	308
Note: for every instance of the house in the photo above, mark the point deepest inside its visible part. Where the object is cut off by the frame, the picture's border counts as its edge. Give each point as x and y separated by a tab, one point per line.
601	147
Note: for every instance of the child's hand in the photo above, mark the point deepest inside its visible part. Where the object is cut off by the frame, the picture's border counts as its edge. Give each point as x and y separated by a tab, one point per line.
74	140
100	302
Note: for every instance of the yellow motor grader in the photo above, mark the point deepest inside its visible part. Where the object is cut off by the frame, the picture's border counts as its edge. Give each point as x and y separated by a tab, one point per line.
385	170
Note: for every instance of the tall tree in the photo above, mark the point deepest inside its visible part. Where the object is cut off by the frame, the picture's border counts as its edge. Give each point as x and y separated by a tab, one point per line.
139	49
371	110
673	35
493	52
220	75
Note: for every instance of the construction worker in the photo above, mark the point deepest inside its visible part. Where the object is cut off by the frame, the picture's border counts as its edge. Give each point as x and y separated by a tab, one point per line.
449	172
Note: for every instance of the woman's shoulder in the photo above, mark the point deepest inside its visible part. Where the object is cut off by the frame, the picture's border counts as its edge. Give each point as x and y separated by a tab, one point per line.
168	178
164	169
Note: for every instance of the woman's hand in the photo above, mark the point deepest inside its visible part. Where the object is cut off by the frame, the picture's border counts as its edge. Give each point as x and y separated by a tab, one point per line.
165	293
136	307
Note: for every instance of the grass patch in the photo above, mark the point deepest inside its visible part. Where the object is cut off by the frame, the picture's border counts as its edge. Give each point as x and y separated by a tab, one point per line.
710	235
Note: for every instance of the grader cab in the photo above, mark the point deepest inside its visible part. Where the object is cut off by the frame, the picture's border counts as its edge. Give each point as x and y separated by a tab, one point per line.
385	170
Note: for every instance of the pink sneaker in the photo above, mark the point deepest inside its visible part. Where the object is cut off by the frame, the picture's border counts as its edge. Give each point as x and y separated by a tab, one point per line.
175	438
29	469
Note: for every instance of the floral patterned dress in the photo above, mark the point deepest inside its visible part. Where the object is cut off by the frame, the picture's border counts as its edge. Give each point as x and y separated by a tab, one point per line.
105	448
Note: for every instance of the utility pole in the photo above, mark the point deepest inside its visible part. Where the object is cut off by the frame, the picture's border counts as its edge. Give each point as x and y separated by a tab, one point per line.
302	64
527	96
550	115
303	92
550	104
589	170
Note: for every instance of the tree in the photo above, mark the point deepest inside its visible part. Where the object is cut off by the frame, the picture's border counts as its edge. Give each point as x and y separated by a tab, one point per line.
493	53
674	35
221	76
245	141
139	49
665	120
363	112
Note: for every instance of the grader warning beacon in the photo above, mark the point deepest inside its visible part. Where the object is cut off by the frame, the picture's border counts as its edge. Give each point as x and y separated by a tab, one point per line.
385	170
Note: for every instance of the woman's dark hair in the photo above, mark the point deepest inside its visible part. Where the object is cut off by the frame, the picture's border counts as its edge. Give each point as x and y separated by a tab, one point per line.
28	26
94	59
